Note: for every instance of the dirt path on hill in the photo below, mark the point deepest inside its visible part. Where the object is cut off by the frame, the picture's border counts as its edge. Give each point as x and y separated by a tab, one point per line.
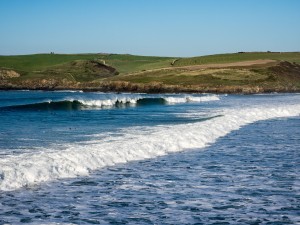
260	62
227	65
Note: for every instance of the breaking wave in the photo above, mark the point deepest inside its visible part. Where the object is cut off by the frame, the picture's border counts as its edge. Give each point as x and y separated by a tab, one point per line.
77	104
134	144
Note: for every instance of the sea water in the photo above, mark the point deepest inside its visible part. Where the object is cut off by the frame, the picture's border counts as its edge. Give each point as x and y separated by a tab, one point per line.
114	158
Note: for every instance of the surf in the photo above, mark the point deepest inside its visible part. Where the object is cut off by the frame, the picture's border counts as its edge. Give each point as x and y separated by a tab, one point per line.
109	102
136	143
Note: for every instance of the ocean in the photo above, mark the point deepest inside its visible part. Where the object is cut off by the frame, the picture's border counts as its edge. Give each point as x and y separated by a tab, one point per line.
69	157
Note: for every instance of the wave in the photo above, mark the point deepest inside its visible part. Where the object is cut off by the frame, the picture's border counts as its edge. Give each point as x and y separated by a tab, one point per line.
135	144
72	104
191	99
48	105
69	91
77	104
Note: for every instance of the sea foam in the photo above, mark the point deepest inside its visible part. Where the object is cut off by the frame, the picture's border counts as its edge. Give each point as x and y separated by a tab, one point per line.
108	102
191	99
135	99
136	143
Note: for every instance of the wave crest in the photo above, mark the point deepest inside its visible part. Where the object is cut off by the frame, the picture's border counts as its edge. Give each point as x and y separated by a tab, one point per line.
79	160
77	104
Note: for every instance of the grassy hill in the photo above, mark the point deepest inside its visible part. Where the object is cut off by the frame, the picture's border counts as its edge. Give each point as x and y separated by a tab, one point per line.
238	57
124	63
239	72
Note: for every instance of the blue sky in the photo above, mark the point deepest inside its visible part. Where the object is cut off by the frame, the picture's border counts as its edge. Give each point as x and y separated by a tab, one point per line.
148	27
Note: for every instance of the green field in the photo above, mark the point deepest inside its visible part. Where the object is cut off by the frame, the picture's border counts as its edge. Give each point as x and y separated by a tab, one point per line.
195	73
209	77
238	57
123	63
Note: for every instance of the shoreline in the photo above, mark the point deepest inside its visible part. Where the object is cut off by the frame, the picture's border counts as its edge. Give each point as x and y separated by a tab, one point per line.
238	90
248	73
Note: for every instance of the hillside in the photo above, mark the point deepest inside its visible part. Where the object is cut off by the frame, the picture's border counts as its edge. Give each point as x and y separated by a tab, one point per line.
253	72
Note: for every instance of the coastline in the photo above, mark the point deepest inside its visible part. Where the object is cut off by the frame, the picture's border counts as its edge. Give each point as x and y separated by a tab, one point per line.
160	90
247	73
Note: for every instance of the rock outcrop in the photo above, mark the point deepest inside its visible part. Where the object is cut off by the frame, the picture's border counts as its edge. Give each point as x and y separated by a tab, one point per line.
7	74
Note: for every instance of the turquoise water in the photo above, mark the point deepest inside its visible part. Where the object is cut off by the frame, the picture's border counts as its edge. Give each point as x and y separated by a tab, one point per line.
95	158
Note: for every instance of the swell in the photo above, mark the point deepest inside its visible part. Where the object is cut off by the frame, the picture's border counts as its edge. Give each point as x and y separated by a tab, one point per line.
135	144
78	104
48	105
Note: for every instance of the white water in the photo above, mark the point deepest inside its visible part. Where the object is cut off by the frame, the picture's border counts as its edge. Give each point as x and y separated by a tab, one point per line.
191	99
136	144
133	100
114	99
109	102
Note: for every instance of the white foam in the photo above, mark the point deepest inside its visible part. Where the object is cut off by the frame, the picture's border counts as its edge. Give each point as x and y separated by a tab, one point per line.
132	99
123	99
203	98
109	102
135	144
191	99
69	91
